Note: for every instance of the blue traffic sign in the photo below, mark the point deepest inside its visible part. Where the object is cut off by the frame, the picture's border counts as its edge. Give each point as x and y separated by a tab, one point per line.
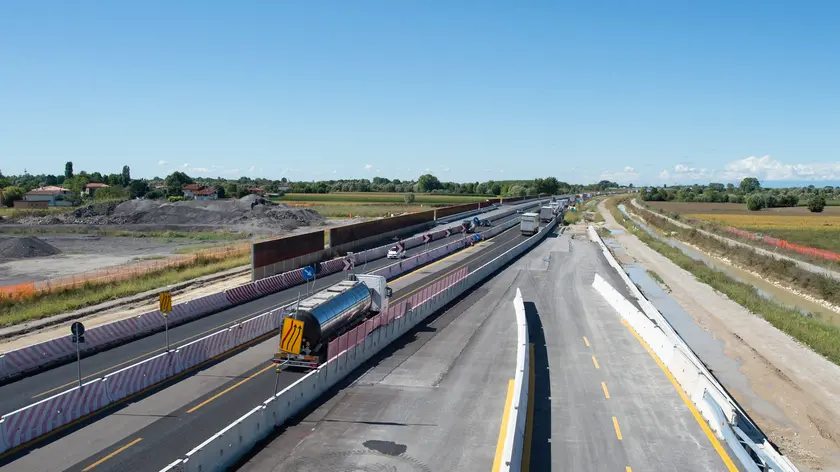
307	272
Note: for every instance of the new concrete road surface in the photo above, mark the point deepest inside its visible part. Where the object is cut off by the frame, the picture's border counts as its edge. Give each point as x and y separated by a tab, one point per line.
148	432
28	390
601	402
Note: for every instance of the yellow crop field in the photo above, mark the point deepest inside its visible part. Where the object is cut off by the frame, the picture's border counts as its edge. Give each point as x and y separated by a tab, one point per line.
771	222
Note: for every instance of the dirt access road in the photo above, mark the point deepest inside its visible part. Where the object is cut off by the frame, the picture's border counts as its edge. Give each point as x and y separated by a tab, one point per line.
781	371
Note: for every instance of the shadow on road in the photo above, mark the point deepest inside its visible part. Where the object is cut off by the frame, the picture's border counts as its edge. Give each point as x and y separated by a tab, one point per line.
541	431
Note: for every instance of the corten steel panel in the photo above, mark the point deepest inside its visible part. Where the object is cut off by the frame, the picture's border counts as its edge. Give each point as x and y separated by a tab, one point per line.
277	250
451	210
345	234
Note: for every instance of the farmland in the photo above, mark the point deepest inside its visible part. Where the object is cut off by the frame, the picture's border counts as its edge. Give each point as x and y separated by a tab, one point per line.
796	224
380	197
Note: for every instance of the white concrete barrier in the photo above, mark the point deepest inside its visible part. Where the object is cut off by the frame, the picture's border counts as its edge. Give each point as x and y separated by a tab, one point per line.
515	434
717	407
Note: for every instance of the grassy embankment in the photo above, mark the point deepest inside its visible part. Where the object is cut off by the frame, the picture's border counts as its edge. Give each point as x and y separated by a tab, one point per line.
821	337
18	311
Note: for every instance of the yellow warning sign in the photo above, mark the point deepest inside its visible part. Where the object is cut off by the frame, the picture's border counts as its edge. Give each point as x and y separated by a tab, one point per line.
292	335
165	302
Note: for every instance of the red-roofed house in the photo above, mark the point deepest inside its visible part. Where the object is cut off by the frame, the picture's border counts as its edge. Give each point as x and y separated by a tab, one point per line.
54	196
256	190
92	187
190	189
205	193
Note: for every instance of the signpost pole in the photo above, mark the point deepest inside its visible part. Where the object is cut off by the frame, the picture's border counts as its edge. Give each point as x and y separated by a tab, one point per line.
78	362
166	330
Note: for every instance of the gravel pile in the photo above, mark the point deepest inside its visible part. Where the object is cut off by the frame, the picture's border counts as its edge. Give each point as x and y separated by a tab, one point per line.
30	246
251	211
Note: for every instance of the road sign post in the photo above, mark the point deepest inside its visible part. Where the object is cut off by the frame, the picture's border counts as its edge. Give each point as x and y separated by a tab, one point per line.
308	273
77	331
165	308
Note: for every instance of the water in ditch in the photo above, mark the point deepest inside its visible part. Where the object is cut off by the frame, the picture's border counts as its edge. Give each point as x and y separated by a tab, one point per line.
763	287
707	348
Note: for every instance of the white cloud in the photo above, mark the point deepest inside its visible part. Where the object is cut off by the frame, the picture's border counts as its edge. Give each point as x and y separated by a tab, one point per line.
767	168
624	176
185	165
368	166
446	169
202	170
162	162
252	168
764	168
334	171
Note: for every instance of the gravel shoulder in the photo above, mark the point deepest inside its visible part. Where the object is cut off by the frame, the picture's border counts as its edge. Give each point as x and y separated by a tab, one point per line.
781	371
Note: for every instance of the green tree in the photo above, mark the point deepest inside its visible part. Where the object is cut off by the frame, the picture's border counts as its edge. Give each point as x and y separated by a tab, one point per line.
111	193
816	204
175	183
231	189
138	188
755	202
68	169
408	197
12	194
428	182
126	176
750	185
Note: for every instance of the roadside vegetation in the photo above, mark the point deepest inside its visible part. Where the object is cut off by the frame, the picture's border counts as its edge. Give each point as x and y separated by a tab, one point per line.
383	197
821	337
27	309
783	271
571	217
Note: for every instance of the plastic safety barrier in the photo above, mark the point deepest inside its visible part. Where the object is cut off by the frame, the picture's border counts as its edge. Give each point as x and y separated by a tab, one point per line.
716	406
518	411
345	354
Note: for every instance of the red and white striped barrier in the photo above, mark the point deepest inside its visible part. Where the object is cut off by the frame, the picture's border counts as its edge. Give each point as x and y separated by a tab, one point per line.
293	278
258	326
271	284
149	321
220	342
28	423
192	354
243	293
135	378
30	357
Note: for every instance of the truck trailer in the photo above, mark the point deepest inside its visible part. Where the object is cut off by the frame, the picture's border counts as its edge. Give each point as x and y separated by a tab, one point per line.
529	224
546	213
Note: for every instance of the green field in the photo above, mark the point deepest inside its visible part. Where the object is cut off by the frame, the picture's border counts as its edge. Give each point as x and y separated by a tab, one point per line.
366	197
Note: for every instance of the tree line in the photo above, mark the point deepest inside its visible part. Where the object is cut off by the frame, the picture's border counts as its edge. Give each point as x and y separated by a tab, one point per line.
748	192
123	186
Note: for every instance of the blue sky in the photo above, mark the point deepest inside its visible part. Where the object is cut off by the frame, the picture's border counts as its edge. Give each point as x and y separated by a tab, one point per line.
643	92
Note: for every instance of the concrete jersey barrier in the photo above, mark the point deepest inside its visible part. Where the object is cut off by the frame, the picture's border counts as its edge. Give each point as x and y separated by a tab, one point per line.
724	416
515	435
350	351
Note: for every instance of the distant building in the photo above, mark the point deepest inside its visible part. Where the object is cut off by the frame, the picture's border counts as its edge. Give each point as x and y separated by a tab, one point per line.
205	193
284	188
257	190
91	188
54	196
190	189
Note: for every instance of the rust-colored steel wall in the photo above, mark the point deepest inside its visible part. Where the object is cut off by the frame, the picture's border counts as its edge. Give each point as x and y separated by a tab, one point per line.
276	250
345	234
451	210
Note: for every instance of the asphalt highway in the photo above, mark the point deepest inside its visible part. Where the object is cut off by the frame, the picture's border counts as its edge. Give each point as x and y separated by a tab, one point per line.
600	400
148	433
31	389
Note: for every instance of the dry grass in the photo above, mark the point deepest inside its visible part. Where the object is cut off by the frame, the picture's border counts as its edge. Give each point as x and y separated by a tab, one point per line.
738	209
754	221
362	210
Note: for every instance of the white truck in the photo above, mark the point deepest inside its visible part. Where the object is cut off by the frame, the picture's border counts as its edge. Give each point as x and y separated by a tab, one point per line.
529	224
546	213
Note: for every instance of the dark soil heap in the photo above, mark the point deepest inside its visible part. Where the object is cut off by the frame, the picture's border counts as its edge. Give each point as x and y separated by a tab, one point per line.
21	248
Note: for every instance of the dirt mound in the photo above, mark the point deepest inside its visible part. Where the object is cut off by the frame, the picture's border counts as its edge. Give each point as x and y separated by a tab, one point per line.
29	246
249	211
